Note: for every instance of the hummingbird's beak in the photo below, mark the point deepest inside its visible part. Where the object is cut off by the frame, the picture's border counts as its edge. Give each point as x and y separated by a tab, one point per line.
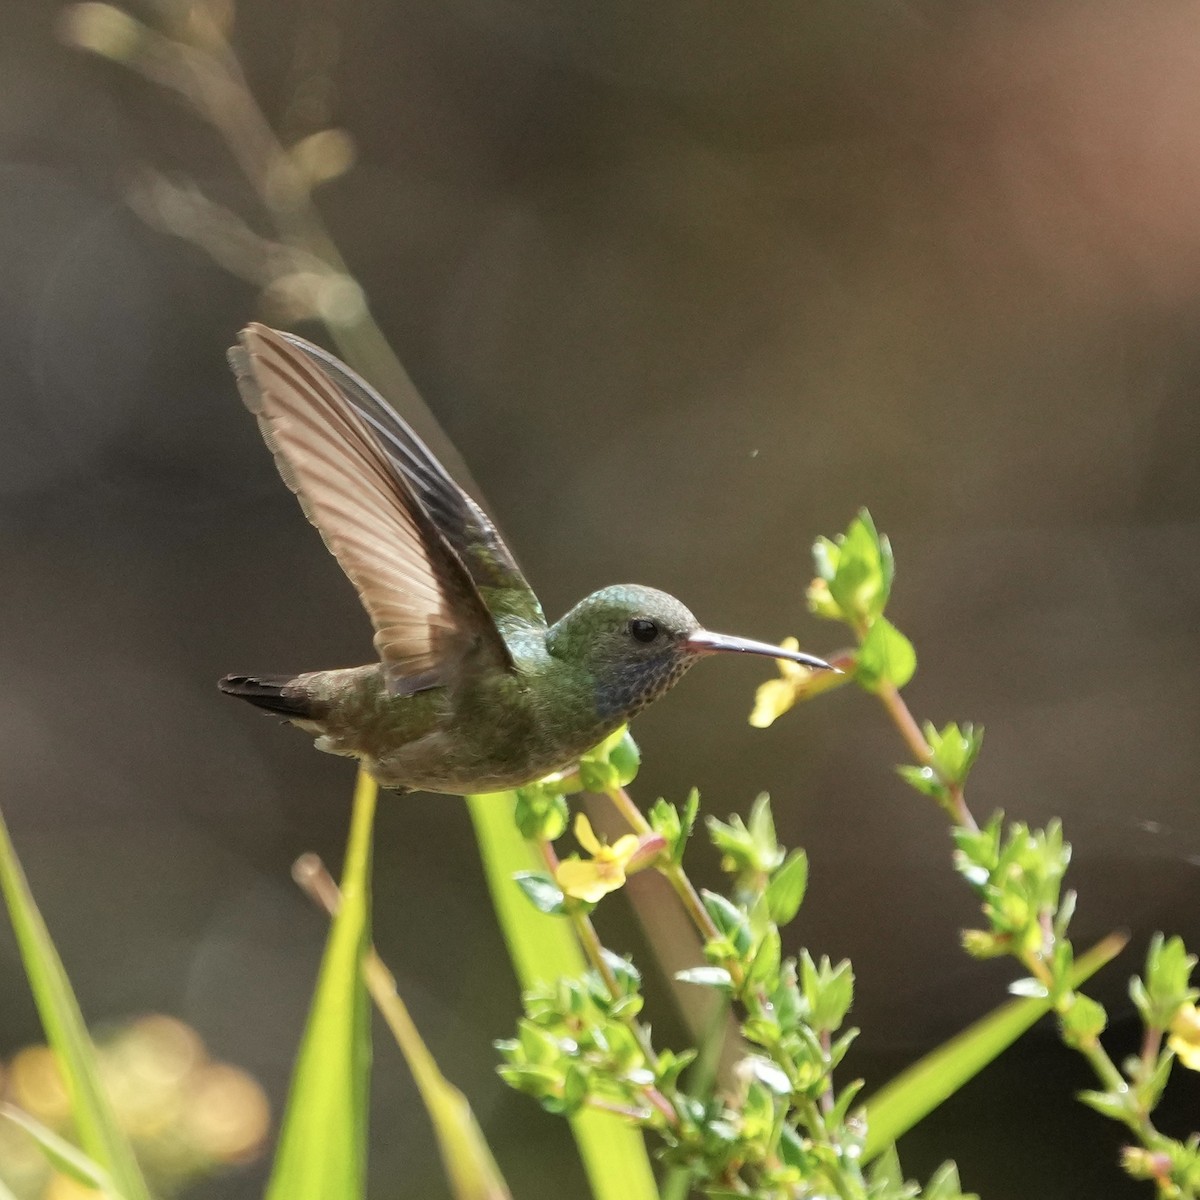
703	642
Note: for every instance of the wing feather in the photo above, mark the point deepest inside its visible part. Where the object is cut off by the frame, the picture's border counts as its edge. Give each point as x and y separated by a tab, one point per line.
425	607
461	521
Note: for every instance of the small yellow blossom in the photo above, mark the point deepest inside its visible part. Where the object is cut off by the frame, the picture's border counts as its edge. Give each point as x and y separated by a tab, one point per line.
1185	1036
592	878
776	696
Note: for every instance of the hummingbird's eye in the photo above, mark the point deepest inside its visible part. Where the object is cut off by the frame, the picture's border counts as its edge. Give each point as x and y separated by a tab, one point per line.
643	629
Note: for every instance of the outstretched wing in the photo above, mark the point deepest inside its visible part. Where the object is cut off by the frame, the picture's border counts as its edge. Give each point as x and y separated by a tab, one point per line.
426	609
463	523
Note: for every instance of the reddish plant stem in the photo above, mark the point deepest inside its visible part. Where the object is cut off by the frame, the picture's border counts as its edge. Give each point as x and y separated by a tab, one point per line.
910	731
674	873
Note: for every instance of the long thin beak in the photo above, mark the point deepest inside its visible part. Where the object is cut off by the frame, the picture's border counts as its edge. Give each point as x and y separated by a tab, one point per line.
703	642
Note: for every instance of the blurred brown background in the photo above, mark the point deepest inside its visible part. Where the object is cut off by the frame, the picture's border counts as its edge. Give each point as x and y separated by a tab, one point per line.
686	284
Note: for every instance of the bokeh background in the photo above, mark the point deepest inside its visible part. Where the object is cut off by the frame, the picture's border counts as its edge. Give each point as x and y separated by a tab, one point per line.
686	284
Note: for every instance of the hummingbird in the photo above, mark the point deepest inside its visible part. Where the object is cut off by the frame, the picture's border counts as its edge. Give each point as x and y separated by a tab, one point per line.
473	690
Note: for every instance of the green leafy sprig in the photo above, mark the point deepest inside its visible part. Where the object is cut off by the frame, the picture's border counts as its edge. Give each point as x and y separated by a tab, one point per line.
781	1125
1016	872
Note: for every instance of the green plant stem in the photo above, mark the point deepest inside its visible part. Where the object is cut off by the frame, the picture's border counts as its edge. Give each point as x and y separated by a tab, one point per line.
1035	964
1151	1048
593	948
589	939
672	871
654	1098
1112	1080
624	804
691	900
662	1105
1105	1069
585	931
826	1100
618	1110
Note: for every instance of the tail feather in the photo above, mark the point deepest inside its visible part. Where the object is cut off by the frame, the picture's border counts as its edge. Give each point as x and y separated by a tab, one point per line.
275	693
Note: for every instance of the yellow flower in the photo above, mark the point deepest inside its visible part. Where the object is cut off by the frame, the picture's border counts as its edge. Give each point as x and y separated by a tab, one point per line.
1185	1036
592	878
776	696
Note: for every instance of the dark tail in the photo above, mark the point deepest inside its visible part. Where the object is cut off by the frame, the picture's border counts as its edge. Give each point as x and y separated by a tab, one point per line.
274	693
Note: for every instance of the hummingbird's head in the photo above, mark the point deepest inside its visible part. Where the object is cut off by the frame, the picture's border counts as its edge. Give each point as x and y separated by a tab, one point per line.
636	642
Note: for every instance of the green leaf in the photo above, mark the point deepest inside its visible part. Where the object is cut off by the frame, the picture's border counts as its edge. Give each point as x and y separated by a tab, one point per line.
1141	999
597	776
915	1093
612	764
101	1136
886	656
978	850
858	569
65	1158
543	893
826	553
726	915
542	947
691	808
944	1184
820	599
838	1051
322	1142
542	812
1062	918
674	826
670	1066
793	1152
1028	986
924	779
1167	982
771	1076
761	827
745	847
1150	1090
828	991
767	958
664	820
539	1045
575	1089
1116	1108
841	1108
1083	1021
785	892
626	757
885	1170
713	977
954	750
625	974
